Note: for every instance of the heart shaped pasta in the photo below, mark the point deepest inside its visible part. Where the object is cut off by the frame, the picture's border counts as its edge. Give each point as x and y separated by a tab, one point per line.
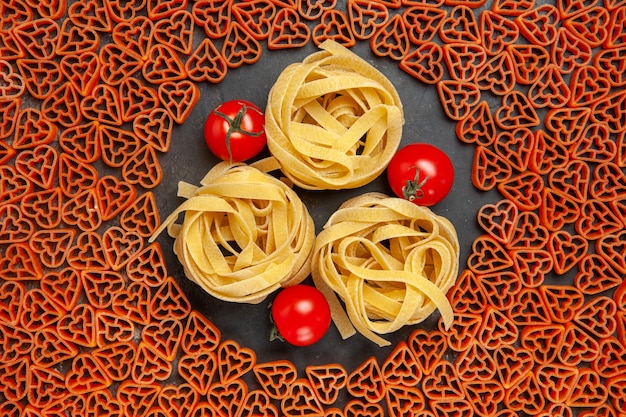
92	323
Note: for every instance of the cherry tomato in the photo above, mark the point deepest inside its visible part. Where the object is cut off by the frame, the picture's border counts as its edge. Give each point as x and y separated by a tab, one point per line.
421	173
301	314
235	130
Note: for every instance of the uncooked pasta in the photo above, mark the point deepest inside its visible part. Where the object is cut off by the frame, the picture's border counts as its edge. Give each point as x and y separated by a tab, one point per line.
333	121
244	233
390	261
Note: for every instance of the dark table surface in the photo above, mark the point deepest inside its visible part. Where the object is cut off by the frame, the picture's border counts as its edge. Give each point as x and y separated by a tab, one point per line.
189	159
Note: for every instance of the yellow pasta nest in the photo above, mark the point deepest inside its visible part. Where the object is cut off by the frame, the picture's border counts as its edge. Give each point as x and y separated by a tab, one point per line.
244	233
390	261
333	121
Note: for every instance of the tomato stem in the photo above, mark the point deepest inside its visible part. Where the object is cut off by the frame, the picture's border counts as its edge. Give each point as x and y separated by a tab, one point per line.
234	125
274	333
413	189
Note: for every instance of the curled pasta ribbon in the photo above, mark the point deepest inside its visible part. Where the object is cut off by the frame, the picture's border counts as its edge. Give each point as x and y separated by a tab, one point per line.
390	261
333	121
244	233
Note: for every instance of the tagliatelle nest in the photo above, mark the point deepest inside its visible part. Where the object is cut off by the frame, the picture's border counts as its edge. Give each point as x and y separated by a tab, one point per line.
333	121
244	233
390	261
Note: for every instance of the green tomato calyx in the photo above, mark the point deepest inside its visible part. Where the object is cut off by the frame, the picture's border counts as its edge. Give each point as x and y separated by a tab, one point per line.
413	188
234	126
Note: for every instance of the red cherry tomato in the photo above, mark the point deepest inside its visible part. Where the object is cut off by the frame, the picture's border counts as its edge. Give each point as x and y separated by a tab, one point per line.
235	130
421	173
301	314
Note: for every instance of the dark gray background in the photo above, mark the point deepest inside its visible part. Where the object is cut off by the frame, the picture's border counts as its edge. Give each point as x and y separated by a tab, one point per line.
189	159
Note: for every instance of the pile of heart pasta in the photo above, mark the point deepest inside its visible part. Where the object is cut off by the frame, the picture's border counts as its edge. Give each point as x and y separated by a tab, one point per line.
92	324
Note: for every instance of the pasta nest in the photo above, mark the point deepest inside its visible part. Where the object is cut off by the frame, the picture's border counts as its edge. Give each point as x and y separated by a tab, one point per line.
244	233
333	121
390	261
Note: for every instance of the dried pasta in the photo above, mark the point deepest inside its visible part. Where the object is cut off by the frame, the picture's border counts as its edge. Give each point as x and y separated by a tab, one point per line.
390	261
244	233
333	121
